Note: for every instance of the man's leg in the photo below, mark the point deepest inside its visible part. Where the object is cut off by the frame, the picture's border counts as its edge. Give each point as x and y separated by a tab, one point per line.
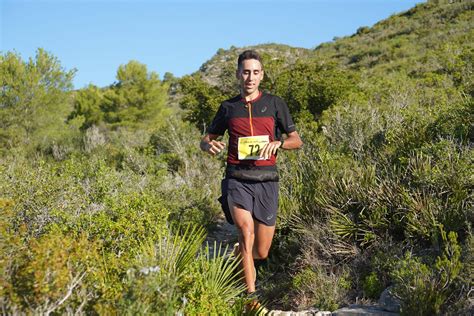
245	224
263	240
265	209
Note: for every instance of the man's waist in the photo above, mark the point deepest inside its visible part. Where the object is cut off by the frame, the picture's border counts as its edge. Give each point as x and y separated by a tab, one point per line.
250	167
252	172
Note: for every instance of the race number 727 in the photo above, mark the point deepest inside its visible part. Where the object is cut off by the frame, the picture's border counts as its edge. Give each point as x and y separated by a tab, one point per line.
249	147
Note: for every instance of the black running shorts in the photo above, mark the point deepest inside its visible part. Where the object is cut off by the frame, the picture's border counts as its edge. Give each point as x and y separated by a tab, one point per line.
259	198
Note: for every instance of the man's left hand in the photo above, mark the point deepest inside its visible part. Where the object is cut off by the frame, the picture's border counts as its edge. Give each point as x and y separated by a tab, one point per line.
270	149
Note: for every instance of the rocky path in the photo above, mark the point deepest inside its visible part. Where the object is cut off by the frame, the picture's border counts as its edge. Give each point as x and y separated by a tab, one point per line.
223	233
226	235
354	310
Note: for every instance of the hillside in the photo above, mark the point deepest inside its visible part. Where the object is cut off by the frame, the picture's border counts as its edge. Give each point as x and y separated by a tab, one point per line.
414	38
222	65
413	41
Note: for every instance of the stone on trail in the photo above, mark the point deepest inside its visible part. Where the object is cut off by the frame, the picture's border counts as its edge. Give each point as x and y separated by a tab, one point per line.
310	312
359	310
388	301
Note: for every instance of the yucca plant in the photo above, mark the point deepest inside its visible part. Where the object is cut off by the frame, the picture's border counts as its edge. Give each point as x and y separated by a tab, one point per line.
219	286
176	275
155	280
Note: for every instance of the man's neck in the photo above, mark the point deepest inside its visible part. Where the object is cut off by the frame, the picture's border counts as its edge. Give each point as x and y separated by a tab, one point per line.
250	97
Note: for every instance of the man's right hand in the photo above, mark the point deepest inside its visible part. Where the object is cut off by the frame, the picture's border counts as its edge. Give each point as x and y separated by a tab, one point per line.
213	147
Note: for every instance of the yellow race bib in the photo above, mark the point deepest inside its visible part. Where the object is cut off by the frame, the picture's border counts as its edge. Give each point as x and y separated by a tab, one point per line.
249	147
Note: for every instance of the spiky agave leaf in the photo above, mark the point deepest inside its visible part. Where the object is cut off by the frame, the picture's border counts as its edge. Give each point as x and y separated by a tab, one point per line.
175	250
154	284
342	224
223	273
188	244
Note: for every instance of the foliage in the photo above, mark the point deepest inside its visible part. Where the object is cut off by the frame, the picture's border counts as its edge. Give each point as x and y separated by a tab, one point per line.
423	289
200	101
318	288
153	283
193	178
88	270
33	102
219	285
372	286
309	88
137	99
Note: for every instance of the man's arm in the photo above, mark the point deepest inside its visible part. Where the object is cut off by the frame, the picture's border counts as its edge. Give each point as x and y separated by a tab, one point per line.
292	142
210	145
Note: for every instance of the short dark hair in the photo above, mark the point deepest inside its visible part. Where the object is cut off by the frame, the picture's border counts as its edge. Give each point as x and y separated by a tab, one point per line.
248	54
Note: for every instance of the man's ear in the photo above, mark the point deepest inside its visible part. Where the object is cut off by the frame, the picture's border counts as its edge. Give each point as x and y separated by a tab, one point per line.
237	74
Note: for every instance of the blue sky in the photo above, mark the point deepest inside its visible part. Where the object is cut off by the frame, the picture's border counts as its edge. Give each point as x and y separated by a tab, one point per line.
95	37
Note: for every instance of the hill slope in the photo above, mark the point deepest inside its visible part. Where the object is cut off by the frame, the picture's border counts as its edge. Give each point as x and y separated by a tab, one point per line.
426	37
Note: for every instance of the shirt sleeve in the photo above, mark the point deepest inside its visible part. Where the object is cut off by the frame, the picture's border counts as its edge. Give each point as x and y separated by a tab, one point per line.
219	123
284	120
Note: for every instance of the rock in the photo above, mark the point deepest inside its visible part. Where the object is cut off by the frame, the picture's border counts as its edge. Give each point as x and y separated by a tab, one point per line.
388	301
359	310
280	313
310	312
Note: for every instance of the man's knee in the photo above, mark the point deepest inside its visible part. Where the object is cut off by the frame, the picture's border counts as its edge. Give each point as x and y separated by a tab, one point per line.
261	253
246	230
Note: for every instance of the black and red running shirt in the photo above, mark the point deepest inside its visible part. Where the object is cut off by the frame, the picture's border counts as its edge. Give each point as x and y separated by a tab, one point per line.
265	115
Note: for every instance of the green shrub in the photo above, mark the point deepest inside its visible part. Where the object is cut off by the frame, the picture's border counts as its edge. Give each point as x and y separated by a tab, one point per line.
35	101
136	100
54	273
424	288
217	286
201	100
372	286
172	275
309	87
320	289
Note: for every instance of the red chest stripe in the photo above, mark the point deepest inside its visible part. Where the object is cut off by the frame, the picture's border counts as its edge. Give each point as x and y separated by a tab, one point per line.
240	127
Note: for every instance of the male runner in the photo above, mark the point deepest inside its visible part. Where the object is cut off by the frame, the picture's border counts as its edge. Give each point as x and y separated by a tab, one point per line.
255	121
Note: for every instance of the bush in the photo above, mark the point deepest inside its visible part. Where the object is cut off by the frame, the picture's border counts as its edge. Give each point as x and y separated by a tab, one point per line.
172	275
320	289
423	288
54	273
372	286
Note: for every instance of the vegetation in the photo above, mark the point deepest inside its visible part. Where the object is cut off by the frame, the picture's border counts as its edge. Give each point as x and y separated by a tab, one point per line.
105	197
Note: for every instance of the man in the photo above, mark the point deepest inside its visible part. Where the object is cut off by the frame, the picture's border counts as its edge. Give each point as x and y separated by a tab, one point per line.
255	122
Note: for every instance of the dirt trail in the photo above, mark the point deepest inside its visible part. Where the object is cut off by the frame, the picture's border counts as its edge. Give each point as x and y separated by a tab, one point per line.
223	233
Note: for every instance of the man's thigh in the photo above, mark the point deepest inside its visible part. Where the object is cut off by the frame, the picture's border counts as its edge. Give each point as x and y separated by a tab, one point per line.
242	218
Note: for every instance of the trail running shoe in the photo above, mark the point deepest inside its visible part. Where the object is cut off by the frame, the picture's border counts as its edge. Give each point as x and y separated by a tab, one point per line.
254	307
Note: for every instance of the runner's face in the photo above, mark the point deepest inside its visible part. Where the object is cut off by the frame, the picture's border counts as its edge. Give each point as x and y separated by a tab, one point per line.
250	74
